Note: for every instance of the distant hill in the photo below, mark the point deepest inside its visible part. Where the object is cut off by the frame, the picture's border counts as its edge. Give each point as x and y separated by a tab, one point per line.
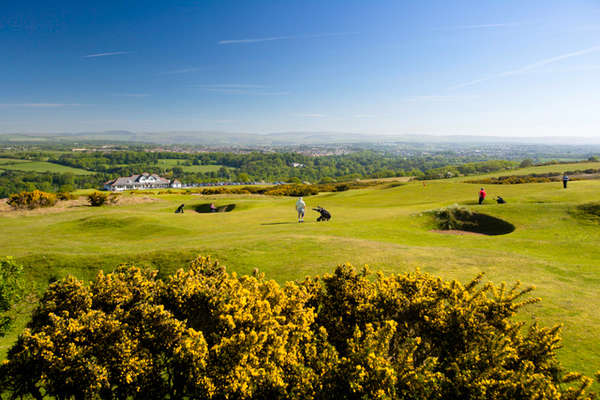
216	138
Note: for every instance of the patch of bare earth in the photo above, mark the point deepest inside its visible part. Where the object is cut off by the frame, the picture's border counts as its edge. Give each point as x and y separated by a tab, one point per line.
457	232
125	200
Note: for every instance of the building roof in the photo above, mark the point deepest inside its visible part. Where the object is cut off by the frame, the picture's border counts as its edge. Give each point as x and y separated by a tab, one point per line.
137	179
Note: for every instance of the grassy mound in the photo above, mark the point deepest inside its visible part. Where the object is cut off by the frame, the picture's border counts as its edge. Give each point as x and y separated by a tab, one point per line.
135	227
205	208
460	218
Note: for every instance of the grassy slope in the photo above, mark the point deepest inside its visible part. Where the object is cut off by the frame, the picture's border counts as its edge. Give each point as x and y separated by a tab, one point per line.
552	248
41	166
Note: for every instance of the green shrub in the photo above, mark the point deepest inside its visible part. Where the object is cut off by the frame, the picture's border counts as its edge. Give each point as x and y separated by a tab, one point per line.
342	187
10	291
66	196
528	162
96	199
31	200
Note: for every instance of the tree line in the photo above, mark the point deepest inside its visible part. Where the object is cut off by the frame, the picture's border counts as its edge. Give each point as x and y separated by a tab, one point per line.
239	167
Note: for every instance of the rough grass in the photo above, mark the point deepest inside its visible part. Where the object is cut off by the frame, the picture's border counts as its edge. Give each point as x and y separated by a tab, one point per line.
552	248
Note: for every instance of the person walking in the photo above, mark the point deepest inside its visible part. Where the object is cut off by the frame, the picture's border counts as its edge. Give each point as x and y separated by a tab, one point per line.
565	180
482	195
300	207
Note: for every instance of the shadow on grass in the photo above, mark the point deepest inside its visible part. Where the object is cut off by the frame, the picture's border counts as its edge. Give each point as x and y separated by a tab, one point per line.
587	213
278	223
463	219
205	208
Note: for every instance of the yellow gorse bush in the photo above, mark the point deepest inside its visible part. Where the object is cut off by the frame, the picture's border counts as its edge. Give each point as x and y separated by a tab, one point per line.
31	200
203	333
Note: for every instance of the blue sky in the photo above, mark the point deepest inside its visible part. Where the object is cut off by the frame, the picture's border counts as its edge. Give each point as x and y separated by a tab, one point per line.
511	68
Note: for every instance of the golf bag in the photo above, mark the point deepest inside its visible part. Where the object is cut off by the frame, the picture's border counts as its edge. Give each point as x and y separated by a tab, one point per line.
325	215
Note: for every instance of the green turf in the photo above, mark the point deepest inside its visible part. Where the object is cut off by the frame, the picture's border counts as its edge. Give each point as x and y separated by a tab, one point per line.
169	163
559	168
554	246
41	166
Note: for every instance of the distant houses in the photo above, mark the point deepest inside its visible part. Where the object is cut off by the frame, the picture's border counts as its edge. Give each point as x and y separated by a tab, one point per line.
140	182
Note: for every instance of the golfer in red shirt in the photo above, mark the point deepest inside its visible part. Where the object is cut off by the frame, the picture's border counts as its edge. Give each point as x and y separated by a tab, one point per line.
482	195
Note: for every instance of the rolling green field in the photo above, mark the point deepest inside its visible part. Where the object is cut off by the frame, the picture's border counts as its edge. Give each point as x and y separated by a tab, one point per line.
170	163
40	166
554	247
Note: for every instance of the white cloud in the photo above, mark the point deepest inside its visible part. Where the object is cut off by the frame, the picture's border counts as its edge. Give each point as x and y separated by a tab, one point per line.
112	53
529	67
241	88
181	71
256	40
311	115
230	86
438	98
273	38
39	105
132	94
479	26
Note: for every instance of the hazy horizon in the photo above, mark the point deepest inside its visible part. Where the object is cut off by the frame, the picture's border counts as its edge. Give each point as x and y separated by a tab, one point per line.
467	68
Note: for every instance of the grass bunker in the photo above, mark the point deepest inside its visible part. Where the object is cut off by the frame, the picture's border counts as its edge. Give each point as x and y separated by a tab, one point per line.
205	208
463	219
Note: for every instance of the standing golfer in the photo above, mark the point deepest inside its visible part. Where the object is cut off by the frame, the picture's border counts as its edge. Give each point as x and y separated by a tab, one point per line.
565	180
482	195
300	206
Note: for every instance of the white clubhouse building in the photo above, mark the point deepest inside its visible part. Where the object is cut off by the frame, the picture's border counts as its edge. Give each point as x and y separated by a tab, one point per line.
140	182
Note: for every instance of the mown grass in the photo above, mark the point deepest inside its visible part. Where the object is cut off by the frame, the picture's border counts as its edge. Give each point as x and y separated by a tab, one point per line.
554	246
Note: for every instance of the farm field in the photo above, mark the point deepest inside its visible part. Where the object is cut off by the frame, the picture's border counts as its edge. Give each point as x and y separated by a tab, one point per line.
4	161
169	163
554	246
40	166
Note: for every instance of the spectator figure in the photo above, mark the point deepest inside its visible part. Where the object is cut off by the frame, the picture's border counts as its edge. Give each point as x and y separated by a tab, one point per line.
500	200
482	195
180	209
213	208
300	206
565	180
